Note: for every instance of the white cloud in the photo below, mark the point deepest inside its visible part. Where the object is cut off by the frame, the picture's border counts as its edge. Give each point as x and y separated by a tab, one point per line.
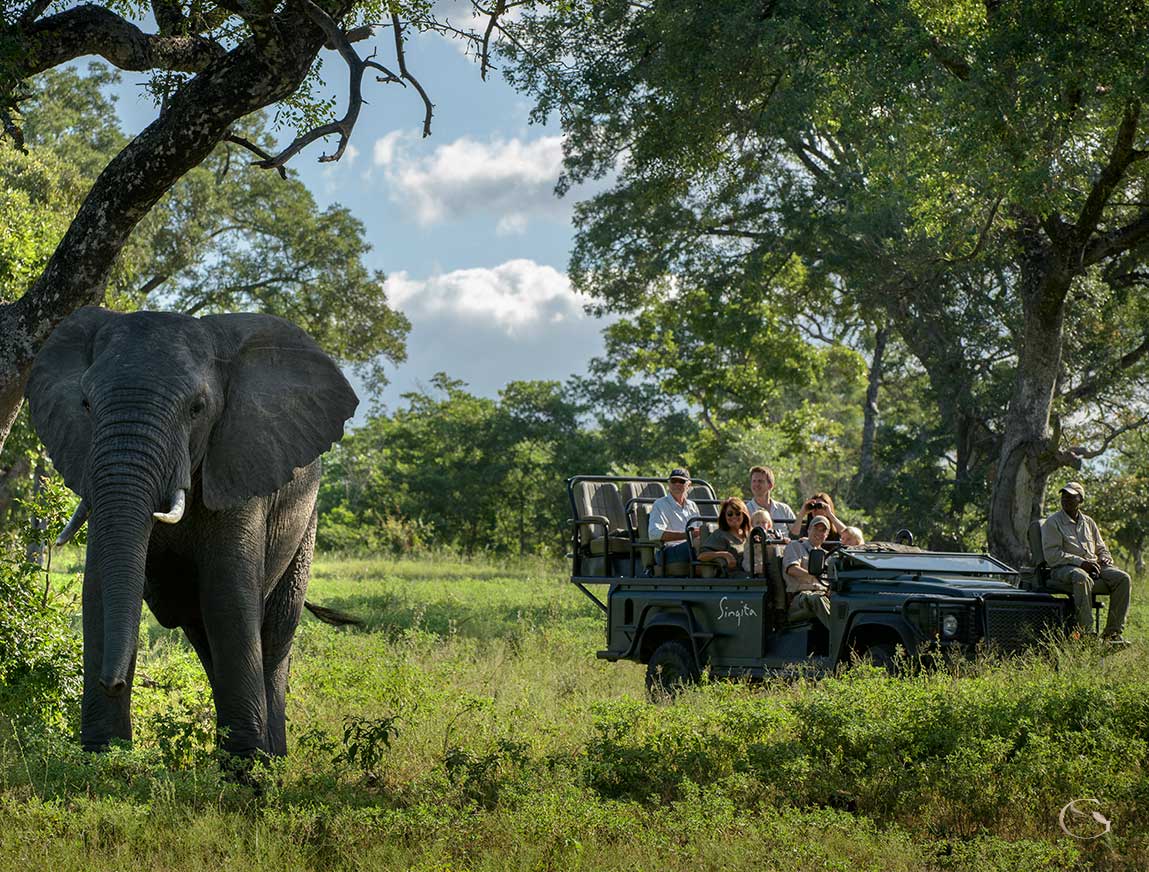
511	178
514	224
384	149
518	296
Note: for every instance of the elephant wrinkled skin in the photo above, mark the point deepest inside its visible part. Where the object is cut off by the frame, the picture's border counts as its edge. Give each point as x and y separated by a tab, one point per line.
234	411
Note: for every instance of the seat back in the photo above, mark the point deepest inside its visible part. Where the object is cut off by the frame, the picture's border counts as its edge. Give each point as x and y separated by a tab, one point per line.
640	512
700	493
599	498
1036	552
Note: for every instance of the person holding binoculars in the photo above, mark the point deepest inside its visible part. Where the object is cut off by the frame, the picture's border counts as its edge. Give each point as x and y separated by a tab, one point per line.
819	505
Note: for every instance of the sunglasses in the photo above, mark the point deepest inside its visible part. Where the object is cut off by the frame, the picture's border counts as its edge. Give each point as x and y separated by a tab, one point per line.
733	513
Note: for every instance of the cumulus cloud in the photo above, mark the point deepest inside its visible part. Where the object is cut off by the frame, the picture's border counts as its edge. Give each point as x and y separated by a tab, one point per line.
510	178
518	296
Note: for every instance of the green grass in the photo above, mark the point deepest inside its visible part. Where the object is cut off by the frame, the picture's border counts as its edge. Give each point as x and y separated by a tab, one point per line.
468	725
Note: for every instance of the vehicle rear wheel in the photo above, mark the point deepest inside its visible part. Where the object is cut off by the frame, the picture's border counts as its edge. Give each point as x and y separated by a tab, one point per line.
671	668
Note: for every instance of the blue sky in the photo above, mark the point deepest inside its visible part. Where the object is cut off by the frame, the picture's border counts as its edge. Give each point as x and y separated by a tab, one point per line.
464	223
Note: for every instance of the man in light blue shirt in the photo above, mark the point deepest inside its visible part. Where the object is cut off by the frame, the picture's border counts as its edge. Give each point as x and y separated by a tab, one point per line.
762	485
668	517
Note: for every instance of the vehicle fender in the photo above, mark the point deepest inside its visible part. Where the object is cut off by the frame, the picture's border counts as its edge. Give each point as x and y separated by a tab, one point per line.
870	624
663	623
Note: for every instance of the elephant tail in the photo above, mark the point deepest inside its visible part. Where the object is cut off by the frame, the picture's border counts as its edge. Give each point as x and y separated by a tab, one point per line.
331	616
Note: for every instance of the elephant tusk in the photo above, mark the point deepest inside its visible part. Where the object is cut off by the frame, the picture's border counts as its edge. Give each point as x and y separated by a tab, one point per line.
173	515
74	524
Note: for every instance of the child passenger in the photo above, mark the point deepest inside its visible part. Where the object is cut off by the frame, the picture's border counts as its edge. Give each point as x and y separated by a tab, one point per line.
852	537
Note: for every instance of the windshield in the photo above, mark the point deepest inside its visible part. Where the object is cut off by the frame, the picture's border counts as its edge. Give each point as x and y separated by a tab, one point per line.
926	561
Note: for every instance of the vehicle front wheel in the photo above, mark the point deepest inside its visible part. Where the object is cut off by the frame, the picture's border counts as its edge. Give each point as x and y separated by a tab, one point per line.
884	655
671	668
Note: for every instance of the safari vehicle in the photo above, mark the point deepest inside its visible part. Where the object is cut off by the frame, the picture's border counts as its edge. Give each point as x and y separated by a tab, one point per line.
884	597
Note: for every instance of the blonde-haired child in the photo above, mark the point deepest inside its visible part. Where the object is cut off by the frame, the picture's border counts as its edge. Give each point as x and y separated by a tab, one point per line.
852	537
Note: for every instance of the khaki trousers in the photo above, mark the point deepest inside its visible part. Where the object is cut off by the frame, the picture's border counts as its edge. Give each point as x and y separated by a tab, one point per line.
1078	582
807	604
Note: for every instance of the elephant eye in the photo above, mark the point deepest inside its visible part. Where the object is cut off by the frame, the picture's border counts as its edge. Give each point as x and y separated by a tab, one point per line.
87	407
197	407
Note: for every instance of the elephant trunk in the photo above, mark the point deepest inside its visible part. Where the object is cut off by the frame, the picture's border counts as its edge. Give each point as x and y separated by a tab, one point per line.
120	530
127	476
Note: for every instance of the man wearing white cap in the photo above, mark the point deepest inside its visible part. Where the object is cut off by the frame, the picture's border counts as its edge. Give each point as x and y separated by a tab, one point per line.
1081	565
808	595
668	518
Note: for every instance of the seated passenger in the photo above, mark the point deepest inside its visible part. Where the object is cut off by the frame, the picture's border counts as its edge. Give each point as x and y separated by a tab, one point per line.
852	537
762	520
668	517
1081	564
819	504
761	486
726	544
807	595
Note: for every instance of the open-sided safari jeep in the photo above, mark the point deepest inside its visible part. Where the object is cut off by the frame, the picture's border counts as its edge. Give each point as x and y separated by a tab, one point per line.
883	597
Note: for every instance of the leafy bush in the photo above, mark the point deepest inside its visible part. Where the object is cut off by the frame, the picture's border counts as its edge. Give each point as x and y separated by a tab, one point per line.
40	677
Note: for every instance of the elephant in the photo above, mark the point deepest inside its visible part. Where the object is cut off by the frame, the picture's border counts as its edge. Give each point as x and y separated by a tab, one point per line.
194	446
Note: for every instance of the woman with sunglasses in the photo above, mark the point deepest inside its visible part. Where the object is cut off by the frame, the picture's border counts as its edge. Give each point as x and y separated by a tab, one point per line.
726	544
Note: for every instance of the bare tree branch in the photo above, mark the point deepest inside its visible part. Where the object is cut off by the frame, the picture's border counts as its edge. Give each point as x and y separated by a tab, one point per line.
150	285
1089	388
485	53
255	149
13	130
356	67
1083	453
1116	241
404	73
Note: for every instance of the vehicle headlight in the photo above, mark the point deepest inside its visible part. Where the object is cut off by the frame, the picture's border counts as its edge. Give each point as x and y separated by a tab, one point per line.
949	626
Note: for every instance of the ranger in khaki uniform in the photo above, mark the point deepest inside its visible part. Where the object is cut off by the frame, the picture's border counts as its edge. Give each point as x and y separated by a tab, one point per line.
1081	564
809	596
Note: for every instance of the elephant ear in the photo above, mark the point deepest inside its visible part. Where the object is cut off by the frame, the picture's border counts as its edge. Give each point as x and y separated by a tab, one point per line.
54	394
286	402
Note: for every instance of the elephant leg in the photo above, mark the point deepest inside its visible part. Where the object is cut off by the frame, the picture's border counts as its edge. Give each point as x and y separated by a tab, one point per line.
102	717
232	608
197	636
280	618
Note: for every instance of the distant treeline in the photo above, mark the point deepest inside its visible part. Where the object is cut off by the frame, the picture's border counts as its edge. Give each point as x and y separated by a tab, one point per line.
452	470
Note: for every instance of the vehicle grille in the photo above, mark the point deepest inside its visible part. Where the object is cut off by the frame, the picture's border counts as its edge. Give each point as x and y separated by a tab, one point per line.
1013	625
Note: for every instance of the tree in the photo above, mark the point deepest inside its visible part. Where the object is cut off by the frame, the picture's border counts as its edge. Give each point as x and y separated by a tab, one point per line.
964	169
483	473
213	65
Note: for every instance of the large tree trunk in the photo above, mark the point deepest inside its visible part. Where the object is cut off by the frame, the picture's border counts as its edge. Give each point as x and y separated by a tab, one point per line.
866	461
1027	446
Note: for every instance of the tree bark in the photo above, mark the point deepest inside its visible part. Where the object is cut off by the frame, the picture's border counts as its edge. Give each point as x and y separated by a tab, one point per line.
870	412
1027	445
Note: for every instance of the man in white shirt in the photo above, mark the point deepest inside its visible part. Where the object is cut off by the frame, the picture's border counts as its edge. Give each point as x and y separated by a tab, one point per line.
761	485
668	517
1081	565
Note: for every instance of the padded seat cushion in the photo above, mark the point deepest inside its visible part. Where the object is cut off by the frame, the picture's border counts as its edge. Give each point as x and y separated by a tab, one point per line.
618	545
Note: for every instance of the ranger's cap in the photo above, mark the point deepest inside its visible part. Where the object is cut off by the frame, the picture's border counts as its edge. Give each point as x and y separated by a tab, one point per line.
820	519
679	472
1074	487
